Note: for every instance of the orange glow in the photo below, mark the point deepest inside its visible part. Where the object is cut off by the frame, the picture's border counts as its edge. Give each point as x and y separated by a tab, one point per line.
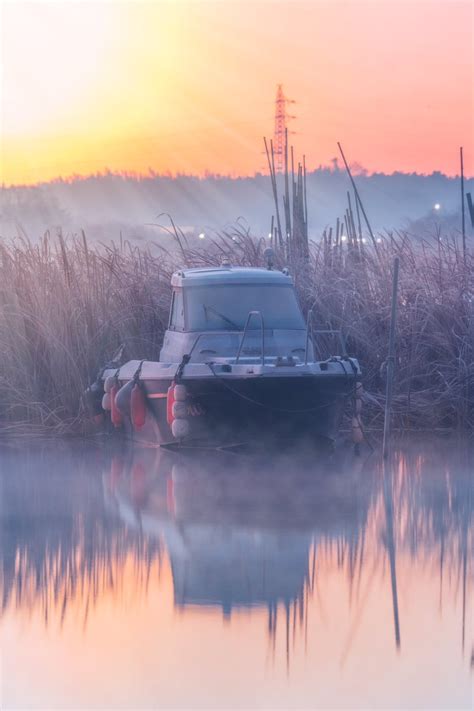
142	652
189	86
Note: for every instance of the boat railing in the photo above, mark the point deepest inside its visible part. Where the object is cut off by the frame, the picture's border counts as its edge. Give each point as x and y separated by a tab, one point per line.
262	326
310	333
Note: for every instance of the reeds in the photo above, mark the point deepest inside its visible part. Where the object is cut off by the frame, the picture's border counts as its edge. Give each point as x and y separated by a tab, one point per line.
67	305
64	308
434	381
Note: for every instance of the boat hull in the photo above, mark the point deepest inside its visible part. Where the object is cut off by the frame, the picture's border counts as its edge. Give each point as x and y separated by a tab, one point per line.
227	411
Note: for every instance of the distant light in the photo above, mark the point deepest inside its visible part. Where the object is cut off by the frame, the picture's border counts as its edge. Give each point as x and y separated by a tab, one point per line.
343	238
379	239
364	240
269	235
437	206
201	235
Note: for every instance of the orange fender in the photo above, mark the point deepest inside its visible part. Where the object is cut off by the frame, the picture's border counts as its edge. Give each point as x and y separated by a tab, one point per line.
115	414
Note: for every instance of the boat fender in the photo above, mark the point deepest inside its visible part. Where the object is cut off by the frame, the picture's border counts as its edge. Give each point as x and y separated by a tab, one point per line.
106	404
138	406
109	383
115	414
180	392
179	410
170	399
180	428
123	398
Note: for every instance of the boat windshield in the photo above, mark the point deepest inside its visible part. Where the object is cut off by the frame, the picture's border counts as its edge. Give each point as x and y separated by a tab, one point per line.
225	307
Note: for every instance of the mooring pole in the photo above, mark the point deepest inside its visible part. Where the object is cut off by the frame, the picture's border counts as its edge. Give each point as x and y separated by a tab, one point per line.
390	543
391	359
463	219
470	207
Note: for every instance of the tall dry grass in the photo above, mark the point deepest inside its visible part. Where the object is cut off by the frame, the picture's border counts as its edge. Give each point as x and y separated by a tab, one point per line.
67	305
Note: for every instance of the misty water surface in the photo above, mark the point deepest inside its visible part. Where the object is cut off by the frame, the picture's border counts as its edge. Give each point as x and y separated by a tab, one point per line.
149	579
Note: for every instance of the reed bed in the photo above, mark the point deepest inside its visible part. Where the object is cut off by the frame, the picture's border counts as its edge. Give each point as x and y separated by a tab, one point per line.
66	305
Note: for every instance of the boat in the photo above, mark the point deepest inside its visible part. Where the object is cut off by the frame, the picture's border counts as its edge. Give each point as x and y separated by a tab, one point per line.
238	364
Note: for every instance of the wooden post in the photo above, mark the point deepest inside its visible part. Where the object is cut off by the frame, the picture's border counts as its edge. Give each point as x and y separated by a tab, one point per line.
391	359
305	197
390	543
288	232
470	207
463	219
348	230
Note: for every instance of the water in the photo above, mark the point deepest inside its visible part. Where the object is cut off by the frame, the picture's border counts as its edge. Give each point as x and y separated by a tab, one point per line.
149	579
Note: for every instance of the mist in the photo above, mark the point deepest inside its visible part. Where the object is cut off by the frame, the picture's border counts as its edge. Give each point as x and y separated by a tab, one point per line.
109	205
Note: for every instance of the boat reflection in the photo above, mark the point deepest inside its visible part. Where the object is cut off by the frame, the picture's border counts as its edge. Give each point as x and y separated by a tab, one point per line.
237	533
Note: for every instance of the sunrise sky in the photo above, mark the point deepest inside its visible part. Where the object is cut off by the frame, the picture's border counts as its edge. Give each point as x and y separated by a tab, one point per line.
189	86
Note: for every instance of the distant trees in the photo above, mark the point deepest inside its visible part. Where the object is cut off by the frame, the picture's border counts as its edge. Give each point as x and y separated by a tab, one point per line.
130	201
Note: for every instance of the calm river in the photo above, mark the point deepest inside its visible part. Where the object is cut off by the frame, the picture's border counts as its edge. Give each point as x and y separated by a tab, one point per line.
149	579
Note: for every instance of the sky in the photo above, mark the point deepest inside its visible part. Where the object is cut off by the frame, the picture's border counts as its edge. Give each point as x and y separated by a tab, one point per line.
189	87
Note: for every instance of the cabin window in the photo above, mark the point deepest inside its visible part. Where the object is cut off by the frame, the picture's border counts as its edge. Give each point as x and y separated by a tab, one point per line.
225	307
177	312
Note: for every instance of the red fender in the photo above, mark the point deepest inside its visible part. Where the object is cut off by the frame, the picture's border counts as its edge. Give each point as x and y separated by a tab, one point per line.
138	407
115	414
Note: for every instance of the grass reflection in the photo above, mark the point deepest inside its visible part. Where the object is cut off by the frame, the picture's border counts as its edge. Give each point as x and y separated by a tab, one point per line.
239	533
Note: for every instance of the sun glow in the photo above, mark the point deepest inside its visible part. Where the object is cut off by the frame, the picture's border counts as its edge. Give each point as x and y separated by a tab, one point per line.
53	65
72	97
188	85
